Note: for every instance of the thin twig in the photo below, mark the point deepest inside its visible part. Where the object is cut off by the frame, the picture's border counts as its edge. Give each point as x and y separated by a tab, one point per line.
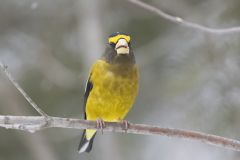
19	88
34	123
183	22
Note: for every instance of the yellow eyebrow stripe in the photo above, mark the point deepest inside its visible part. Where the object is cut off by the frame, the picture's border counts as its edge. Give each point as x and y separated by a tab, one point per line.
117	37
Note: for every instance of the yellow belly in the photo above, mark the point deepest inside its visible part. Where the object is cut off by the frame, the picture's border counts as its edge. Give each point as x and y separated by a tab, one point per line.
113	93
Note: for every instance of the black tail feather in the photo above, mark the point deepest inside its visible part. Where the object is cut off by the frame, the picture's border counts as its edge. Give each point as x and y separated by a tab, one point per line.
85	145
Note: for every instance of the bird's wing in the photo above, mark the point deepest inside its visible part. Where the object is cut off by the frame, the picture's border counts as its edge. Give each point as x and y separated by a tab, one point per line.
88	89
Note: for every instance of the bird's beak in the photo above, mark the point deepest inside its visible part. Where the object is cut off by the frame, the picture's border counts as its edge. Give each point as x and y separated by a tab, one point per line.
122	47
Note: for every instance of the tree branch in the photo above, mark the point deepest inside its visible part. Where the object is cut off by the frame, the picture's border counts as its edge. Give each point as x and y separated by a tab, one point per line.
183	22
19	88
35	123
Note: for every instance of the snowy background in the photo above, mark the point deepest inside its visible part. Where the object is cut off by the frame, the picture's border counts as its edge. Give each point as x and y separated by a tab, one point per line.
189	79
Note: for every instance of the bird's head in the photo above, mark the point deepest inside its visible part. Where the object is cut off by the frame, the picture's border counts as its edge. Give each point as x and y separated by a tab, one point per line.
120	42
119	49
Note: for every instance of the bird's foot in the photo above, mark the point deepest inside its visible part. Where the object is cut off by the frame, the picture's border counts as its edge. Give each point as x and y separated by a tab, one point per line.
100	124
125	125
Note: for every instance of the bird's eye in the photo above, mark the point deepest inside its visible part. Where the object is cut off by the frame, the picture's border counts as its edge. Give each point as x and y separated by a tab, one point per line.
113	44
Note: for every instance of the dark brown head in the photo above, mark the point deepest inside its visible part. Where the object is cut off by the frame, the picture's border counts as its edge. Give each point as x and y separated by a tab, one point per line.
119	49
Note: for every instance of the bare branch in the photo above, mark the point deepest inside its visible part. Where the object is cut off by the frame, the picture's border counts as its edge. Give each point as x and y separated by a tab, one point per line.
19	88
34	123
183	22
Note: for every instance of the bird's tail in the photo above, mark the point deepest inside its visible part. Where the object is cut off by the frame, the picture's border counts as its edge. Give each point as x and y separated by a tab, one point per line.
86	141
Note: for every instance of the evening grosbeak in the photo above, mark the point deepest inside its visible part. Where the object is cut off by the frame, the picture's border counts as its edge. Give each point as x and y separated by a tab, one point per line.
111	88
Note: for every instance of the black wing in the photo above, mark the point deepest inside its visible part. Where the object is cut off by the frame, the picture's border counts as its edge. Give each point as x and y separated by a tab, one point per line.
88	89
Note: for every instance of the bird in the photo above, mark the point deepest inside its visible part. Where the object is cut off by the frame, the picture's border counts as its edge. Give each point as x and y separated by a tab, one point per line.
111	88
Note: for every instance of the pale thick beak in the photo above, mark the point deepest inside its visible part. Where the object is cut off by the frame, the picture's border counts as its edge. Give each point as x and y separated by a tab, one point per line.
122	47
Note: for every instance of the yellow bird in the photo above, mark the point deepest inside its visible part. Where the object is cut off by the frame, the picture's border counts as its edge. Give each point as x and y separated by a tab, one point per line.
111	88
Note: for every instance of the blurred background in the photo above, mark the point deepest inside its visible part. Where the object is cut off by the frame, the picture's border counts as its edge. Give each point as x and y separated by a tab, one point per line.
189	79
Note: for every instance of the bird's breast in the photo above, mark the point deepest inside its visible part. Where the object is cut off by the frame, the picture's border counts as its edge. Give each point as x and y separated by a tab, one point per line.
113	93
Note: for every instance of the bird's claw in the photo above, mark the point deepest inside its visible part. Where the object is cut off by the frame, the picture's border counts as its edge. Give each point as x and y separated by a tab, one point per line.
125	125
100	124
